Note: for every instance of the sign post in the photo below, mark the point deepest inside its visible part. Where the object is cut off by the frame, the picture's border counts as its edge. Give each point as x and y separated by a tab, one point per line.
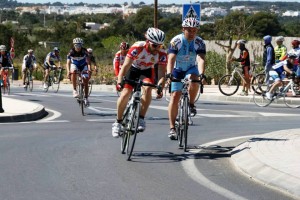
191	10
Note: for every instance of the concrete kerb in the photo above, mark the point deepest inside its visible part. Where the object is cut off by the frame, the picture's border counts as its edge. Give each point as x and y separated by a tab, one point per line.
271	159
20	111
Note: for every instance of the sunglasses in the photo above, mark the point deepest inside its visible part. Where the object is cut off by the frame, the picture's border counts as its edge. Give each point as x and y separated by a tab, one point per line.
155	45
77	45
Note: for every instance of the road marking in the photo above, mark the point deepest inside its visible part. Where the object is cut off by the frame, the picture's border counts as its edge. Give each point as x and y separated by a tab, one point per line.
192	171
55	115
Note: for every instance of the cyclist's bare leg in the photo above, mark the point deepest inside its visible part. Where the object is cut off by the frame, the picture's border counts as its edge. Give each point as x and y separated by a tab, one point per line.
275	85
246	85
46	75
122	102
193	89
173	107
23	75
86	87
73	78
146	99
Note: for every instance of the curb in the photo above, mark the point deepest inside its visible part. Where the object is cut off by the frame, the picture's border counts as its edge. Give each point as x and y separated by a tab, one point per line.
38	113
248	159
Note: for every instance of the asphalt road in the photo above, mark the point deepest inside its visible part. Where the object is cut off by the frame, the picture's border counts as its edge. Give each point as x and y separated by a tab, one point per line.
69	156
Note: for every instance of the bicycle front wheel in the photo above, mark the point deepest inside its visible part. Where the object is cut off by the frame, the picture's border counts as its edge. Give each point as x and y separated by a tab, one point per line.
125	132
228	85
292	100
185	124
260	99
258	83
133	129
80	99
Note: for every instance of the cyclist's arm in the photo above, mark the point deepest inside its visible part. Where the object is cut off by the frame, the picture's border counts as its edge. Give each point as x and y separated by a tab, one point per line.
88	61
68	65
201	63
125	67
171	62
116	66
287	69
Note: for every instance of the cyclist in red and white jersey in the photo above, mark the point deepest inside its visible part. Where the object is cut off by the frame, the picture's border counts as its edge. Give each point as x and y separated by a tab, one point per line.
139	64
120	57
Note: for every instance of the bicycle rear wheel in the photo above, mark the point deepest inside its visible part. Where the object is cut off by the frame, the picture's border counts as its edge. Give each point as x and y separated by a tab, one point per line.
292	101
132	129
258	83
185	121
261	100
228	85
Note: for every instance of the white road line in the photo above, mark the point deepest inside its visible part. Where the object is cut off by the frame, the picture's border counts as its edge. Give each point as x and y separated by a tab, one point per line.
193	172
55	115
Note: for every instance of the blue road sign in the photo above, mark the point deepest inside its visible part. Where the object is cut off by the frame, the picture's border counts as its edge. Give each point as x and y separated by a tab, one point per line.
191	10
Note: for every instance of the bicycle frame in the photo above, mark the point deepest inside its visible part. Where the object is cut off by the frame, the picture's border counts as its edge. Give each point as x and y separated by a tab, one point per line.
5	78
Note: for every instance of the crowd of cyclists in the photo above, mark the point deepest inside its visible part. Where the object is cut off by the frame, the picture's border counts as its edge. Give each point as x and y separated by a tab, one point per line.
184	57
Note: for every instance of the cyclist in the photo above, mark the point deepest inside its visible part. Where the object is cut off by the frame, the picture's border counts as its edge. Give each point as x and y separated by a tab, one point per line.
139	64
279	70
184	52
244	59
92	58
280	50
29	63
268	56
79	60
5	60
50	60
120	57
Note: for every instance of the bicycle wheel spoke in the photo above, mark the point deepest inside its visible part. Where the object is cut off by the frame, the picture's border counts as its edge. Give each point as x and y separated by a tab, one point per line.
258	84
261	100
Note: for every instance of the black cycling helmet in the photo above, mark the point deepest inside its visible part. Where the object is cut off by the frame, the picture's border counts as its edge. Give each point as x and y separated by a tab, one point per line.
292	55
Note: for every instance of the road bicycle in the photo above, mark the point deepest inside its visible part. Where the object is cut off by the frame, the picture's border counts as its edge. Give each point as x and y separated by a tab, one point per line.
167	92
131	117
183	118
5	79
229	83
28	80
80	88
290	93
54	78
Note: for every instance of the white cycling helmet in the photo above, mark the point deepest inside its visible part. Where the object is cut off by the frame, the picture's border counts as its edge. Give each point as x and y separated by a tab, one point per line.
2	48
191	22
155	35
279	39
241	41
77	41
30	51
292	55
90	50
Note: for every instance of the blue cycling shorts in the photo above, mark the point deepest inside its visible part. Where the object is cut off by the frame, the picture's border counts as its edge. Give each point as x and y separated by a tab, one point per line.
178	74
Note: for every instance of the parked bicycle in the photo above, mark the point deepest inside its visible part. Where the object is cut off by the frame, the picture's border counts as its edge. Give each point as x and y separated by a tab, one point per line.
290	93
229	83
54	78
5	78
80	88
183	119
28	80
131	117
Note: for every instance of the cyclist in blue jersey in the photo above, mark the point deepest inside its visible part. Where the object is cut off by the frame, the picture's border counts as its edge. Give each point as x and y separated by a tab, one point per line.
78	60
50	60
186	57
279	72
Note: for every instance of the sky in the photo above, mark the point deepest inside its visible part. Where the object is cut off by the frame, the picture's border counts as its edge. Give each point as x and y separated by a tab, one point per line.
129	1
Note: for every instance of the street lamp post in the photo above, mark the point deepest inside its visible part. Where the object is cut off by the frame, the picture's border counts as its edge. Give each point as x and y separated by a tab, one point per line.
155	13
1	109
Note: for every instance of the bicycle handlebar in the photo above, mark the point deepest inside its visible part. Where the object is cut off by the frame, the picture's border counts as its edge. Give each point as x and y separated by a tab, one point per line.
140	82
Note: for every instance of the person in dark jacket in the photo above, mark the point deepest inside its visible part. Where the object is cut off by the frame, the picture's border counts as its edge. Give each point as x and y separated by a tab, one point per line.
268	56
